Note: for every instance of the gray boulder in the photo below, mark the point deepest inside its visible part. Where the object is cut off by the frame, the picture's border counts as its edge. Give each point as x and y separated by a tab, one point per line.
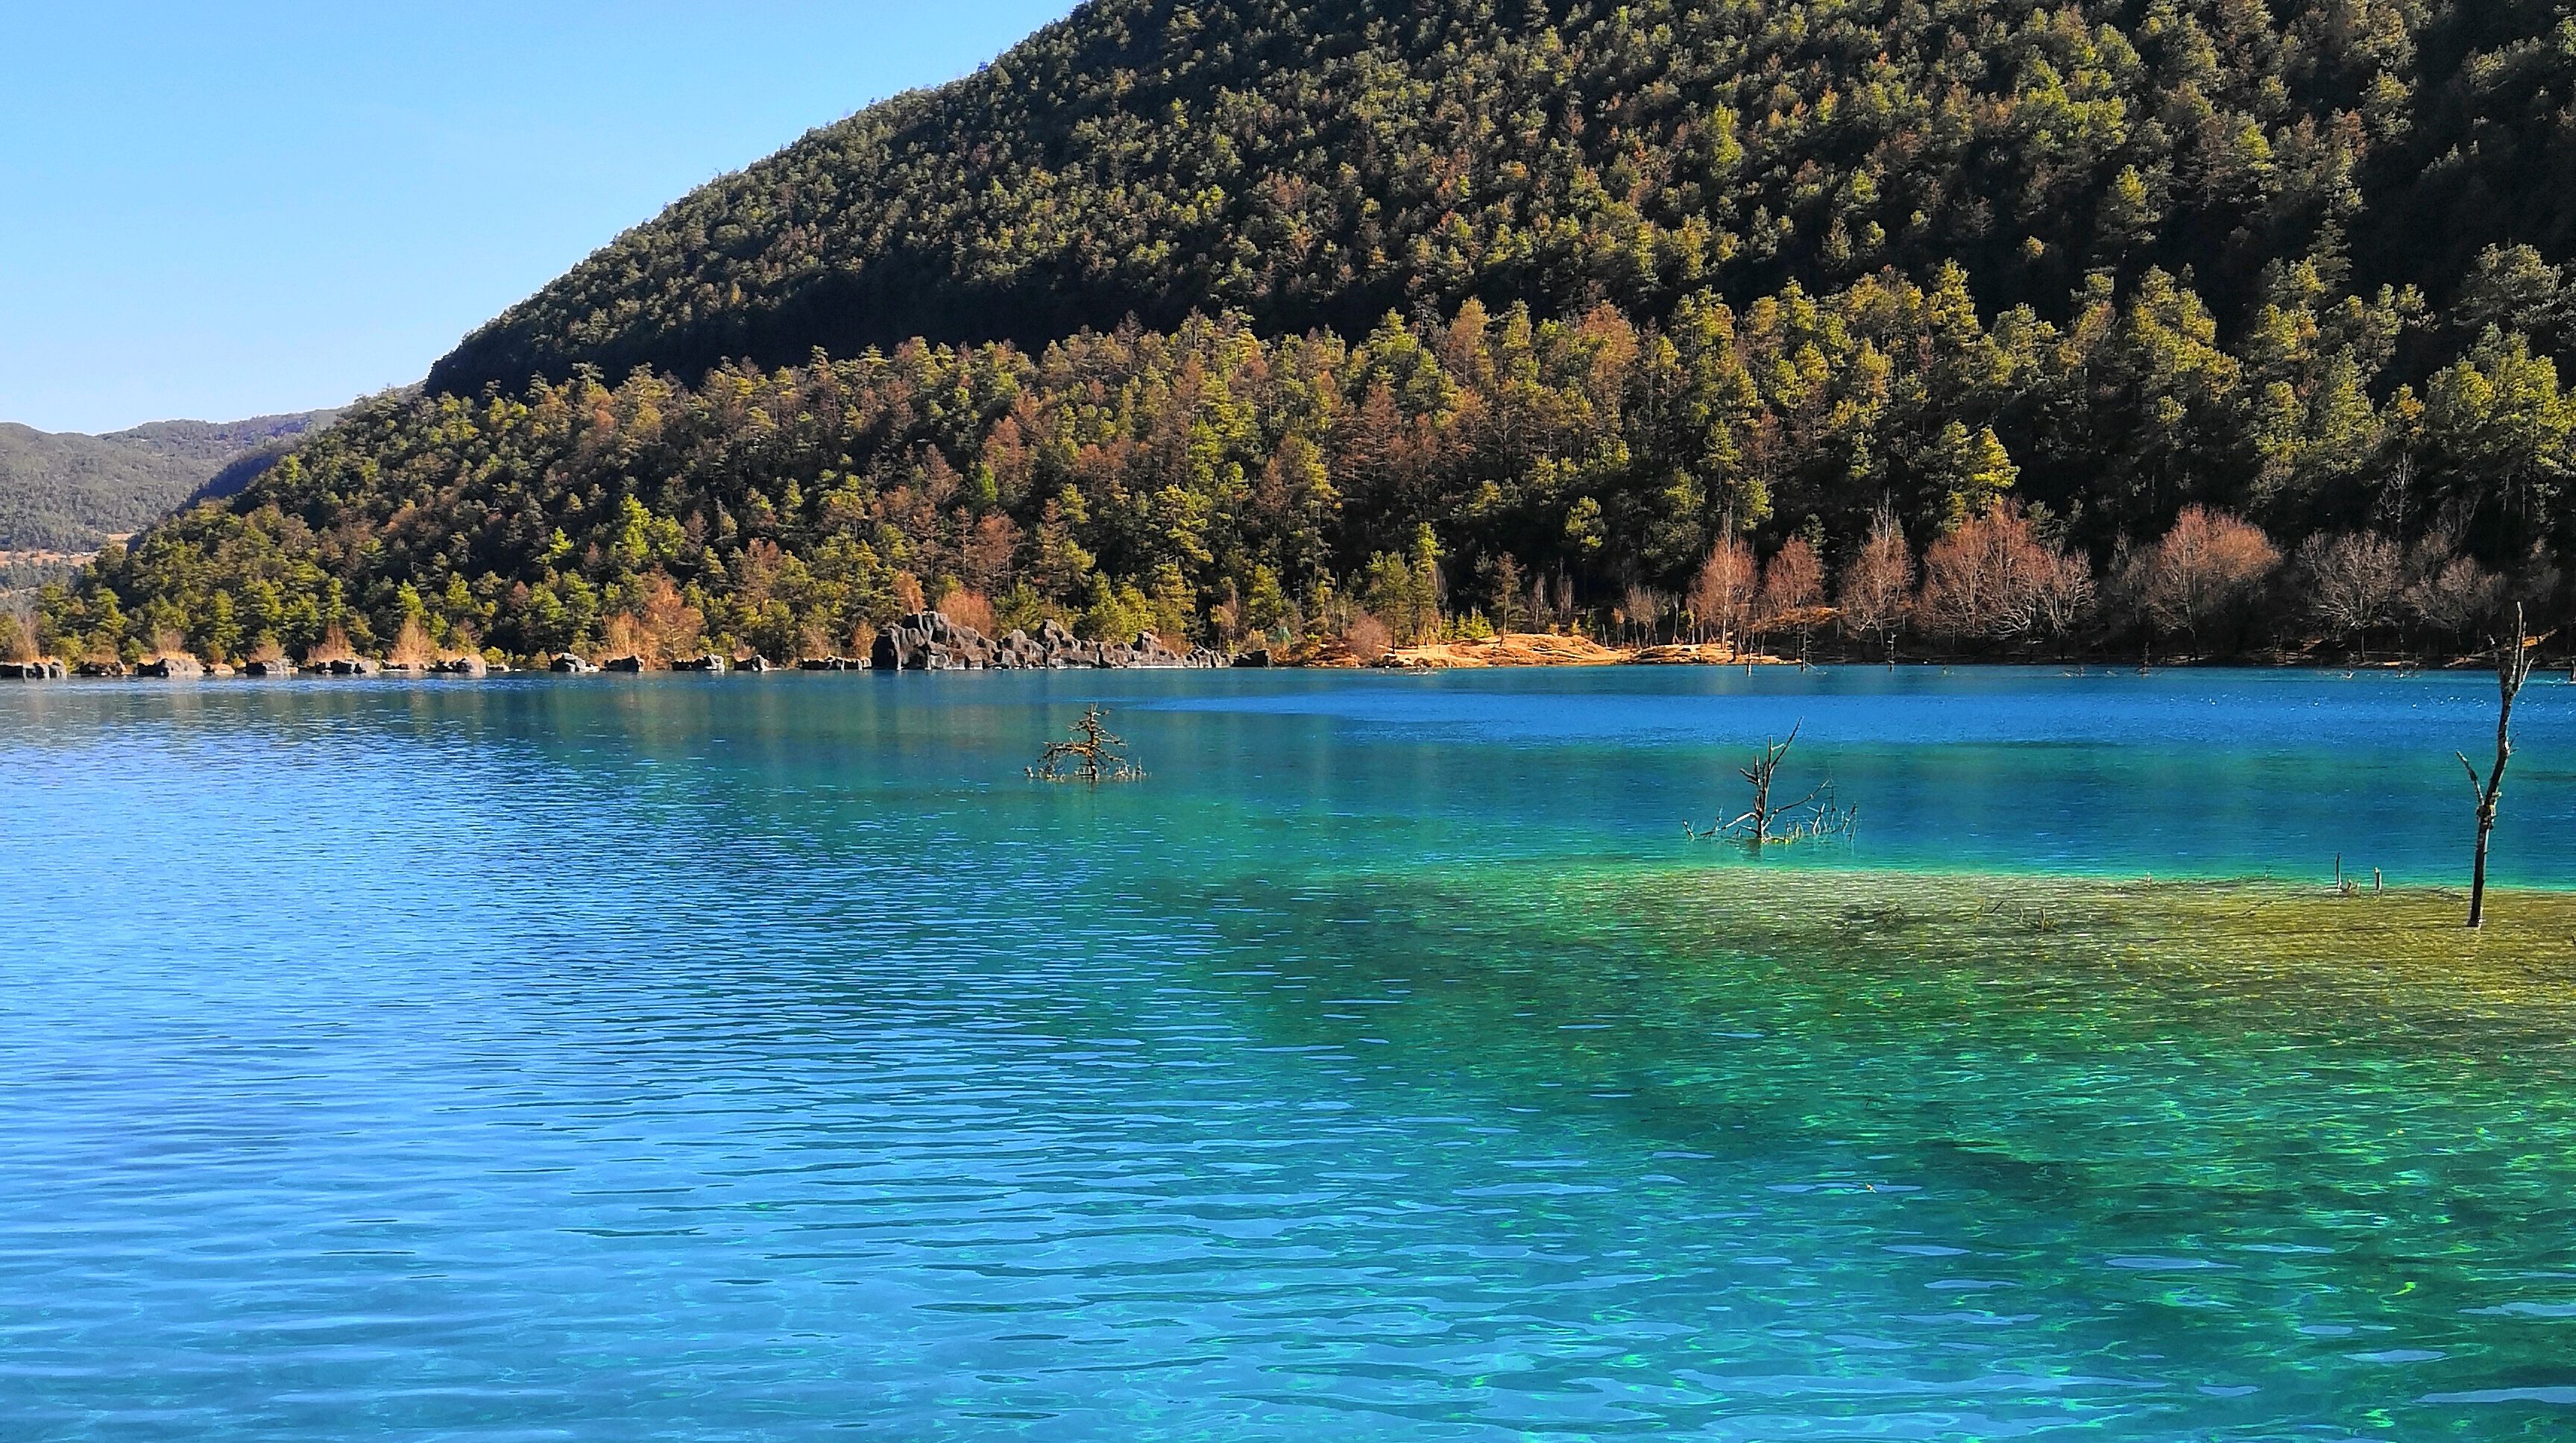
930	641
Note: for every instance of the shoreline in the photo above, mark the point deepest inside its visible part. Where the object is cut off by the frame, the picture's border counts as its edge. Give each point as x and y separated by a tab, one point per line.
904	648
1411	661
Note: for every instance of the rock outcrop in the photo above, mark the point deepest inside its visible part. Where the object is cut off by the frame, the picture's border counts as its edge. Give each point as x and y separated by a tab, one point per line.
176	667
571	665
930	641
31	670
460	666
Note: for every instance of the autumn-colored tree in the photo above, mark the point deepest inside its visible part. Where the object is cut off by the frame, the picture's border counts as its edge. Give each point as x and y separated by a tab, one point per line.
1979	580
1643	608
334	646
1721	595
1366	637
986	556
1878	582
1997	577
2207	565
663	627
968	608
411	648
1793	579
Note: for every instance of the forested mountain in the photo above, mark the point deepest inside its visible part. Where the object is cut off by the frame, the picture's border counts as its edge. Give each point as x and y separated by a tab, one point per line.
1319	162
64	491
1255	313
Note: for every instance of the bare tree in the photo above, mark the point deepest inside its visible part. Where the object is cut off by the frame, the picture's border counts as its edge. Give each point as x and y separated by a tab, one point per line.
2062	592
1644	608
2450	593
1093	755
2354	580
1990	577
2513	668
1877	582
1366	636
1758	825
1793	581
1722	594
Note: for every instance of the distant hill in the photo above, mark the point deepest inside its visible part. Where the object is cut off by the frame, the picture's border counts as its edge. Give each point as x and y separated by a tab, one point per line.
66	491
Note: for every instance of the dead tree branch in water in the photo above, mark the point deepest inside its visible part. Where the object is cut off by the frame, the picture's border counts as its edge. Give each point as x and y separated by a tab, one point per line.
1093	755
1815	815
2513	668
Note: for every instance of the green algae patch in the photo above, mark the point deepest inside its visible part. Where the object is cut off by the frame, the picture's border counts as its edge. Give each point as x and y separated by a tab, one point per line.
2300	946
2241	1064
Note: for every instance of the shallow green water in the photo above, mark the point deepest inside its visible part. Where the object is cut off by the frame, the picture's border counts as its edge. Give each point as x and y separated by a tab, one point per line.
763	1057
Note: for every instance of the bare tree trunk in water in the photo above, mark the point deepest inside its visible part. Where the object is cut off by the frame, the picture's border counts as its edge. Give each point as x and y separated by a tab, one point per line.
2513	668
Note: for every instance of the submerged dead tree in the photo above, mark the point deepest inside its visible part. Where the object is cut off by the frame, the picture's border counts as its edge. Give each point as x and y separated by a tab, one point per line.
1093	755
2513	668
1813	815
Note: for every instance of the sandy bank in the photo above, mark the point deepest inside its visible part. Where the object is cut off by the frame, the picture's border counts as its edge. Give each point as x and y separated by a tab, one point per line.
1527	648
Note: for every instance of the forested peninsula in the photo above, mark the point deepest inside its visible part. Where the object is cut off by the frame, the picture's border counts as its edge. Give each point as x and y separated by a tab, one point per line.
2195	327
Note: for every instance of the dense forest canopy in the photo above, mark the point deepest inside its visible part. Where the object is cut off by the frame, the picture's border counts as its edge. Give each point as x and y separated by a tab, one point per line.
1320	162
2208	321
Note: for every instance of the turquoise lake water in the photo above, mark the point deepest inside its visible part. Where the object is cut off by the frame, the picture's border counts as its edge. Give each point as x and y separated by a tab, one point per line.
764	1057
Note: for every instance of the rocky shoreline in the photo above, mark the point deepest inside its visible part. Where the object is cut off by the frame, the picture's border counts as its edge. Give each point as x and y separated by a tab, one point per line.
920	641
929	641
934	641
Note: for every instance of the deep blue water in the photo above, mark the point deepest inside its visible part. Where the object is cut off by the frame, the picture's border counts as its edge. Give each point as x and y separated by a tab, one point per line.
764	1057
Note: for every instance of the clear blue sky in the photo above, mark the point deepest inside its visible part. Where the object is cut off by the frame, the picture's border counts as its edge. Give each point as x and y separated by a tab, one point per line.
223	210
